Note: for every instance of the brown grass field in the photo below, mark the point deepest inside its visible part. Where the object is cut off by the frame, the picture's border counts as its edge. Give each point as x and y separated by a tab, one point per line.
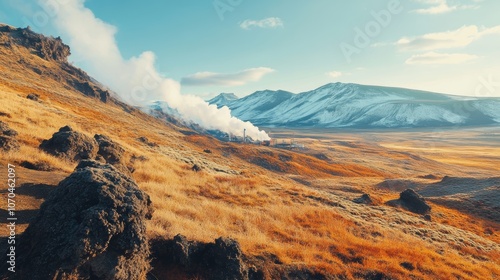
294	204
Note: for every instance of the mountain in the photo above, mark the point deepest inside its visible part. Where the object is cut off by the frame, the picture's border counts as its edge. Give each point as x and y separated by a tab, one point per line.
362	106
223	99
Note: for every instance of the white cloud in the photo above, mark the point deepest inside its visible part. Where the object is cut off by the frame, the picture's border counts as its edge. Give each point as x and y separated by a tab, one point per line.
272	22
446	40
440	58
334	74
135	80
442	6
226	79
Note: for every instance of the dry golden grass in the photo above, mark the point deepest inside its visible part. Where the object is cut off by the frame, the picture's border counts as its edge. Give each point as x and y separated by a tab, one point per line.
307	221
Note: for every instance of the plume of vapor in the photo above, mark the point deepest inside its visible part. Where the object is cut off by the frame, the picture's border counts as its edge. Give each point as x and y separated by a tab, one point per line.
135	80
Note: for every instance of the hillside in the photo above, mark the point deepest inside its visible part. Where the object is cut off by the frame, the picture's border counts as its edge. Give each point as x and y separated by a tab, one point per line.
361	106
292	212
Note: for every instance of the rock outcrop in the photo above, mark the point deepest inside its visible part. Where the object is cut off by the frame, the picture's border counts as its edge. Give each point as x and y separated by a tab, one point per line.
414	202
411	201
221	260
47	48
37	165
92	226
6	130
146	141
364	199
33	96
91	90
70	144
112	153
8	141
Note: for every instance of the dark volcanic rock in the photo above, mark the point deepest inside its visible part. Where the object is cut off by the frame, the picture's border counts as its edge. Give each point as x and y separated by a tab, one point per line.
70	144
146	141
92	226
196	168
109	150
112	153
47	48
6	130
407	265
33	96
364	199
179	251
92	91
222	260
8	142
39	165
414	202
411	201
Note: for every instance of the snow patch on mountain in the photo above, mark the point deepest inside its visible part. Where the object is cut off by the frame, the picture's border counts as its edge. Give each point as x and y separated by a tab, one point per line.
353	105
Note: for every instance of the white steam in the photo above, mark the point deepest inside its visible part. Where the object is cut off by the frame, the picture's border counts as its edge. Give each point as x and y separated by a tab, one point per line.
135	80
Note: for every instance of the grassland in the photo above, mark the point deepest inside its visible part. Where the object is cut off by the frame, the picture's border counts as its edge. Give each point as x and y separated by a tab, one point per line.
295	205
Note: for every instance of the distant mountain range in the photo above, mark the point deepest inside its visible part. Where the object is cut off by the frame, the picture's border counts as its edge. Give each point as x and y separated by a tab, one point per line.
360	106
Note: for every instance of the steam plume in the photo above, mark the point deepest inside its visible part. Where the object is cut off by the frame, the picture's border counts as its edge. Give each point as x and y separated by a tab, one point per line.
135	80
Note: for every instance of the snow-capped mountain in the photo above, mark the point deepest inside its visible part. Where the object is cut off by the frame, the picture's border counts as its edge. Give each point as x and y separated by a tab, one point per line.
361	106
223	98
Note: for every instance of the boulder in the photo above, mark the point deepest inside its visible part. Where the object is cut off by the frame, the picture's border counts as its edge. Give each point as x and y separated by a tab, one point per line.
33	96
408	266
364	199
38	165
6	130
196	168
70	144
92	226
178	251
112	153
146	141
109	150
414	202
221	260
8	142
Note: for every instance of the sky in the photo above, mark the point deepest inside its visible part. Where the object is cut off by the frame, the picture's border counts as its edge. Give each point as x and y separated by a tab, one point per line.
242	46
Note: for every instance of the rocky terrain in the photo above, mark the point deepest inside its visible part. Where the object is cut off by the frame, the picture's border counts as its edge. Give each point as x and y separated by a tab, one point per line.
105	191
92	226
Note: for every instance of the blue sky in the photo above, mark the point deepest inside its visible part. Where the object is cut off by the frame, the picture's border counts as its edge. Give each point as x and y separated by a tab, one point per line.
242	46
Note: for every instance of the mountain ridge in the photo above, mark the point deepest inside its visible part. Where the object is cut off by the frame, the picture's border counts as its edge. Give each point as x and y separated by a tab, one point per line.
362	106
